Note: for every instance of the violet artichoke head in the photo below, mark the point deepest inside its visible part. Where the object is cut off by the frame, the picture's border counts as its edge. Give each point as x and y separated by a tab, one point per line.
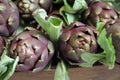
100	11
9	18
34	51
27	7
76	39
114	30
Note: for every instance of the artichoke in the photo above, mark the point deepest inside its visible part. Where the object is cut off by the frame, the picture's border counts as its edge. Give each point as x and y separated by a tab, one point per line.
27	7
100	11
114	29
9	16
2	44
34	50
76	39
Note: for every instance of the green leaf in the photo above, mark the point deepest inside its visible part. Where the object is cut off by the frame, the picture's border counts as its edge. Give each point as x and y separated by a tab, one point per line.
78	6
100	26
109	51
90	59
69	18
69	11
61	72
3	62
9	66
52	26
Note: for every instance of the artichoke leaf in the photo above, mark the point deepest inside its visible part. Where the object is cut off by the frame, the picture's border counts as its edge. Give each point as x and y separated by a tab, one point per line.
52	26
90	59
68	18
109	51
78	6
61	72
8	67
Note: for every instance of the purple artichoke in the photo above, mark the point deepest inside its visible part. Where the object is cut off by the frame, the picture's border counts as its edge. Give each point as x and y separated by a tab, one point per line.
100	11
27	7
2	44
76	39
9	16
33	49
114	29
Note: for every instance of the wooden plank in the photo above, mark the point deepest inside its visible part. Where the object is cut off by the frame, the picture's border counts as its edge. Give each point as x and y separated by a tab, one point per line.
95	73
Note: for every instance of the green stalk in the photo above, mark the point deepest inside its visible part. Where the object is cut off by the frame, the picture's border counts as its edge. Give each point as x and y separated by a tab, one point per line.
61	72
52	26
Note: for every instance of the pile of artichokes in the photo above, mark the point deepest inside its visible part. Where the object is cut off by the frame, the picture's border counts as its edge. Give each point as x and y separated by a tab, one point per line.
36	34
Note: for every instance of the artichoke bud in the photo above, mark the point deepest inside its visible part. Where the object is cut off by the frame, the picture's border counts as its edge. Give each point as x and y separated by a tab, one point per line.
76	39
27	7
34	50
102	12
9	16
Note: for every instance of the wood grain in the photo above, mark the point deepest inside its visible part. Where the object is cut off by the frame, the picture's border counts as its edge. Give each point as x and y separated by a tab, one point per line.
95	73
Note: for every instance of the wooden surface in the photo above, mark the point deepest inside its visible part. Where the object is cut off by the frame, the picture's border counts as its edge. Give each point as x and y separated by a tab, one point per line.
95	73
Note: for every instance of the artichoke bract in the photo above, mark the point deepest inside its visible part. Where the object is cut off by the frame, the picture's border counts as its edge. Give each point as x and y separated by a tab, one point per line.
27	7
114	30
9	18
2	44
76	39
34	50
99	11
